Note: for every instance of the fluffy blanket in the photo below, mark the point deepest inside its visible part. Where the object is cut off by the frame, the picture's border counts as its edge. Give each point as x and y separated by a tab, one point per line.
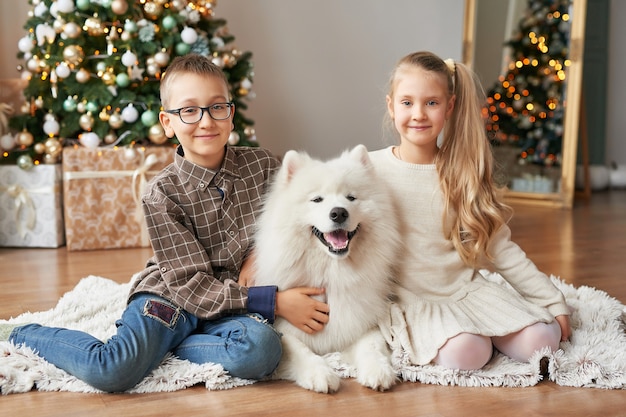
595	356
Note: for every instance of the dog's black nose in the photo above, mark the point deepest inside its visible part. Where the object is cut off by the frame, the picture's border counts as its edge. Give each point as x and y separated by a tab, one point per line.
338	214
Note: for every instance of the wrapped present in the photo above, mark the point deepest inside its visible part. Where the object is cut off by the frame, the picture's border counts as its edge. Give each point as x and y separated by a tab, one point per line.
102	194
31	206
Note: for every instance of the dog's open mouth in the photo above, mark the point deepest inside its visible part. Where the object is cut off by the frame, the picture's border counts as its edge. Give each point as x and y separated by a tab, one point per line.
336	241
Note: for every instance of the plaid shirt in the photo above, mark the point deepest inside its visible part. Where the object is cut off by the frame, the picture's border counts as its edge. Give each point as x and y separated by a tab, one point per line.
201	225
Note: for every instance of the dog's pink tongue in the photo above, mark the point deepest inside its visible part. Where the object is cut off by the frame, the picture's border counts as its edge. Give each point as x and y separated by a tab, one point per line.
337	239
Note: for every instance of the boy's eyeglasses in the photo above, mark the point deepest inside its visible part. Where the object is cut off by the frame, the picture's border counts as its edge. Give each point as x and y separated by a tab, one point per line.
193	114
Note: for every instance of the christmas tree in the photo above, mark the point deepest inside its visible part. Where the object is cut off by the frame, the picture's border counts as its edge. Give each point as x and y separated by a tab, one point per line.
526	106
93	71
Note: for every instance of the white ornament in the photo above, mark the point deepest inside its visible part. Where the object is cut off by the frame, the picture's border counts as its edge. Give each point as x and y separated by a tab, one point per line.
71	30
130	114
246	83
233	138
129	59
218	42
25	44
7	142
189	35
162	58
89	140
41	9
51	127
63	70
45	33
129	153
65	6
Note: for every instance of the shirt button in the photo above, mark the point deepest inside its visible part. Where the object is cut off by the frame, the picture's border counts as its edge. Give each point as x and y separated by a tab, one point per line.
232	233
163	269
201	185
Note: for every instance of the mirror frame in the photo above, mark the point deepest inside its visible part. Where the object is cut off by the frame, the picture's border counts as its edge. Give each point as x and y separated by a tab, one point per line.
565	197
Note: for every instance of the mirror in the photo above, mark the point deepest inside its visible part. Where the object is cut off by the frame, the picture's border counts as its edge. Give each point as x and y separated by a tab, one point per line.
528	57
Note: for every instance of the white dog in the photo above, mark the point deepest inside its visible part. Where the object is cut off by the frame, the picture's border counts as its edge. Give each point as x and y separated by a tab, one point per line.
331	225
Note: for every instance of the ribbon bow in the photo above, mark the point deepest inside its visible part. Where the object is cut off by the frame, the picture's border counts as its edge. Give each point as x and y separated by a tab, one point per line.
139	186
24	203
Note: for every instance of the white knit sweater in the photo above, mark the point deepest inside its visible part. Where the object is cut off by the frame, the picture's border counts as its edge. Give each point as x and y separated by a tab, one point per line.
438	295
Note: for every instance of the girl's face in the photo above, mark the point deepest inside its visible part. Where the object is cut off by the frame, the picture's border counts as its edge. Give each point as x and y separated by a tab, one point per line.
204	141
419	108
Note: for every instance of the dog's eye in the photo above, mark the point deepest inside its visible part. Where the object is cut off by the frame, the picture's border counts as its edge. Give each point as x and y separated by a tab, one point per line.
350	197
317	199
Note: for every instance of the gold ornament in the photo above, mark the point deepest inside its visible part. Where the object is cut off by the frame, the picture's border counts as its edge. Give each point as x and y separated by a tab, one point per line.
73	54
249	131
153	10
104	116
115	120
24	138
82	76
93	26
178	4
86	121
108	78
119	6
156	134
50	159
53	147
39	148
110	138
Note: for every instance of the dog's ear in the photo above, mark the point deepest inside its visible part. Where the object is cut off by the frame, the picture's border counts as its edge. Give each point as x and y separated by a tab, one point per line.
292	161
359	153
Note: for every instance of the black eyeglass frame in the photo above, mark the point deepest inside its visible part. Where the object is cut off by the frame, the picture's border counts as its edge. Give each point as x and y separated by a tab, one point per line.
207	109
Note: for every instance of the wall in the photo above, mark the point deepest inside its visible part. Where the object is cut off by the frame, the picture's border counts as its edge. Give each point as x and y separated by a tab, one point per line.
13	16
322	67
616	87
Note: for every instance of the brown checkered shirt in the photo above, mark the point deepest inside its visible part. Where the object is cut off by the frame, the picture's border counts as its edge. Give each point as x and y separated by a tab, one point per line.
201	224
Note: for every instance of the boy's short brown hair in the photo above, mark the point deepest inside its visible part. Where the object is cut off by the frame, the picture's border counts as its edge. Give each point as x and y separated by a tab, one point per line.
190	63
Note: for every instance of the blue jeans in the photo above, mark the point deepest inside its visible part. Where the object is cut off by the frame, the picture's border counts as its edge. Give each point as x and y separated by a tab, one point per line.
150	327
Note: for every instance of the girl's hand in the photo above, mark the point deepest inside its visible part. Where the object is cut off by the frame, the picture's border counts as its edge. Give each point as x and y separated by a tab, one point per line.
566	328
298	307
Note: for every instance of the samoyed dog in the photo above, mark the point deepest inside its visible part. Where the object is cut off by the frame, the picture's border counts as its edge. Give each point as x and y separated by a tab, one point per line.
331	225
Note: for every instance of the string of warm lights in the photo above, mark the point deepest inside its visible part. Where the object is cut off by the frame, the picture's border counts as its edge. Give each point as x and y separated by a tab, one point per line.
525	107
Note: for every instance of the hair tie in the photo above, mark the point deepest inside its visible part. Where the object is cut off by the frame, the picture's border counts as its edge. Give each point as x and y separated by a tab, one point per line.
451	65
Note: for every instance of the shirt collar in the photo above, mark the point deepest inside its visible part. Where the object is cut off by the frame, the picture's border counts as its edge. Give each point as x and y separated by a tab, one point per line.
195	174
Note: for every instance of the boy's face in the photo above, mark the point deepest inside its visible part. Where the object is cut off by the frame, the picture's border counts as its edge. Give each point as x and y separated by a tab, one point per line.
204	141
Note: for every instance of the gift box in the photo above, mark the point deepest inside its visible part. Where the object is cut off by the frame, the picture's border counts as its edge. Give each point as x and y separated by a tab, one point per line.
102	190
31	206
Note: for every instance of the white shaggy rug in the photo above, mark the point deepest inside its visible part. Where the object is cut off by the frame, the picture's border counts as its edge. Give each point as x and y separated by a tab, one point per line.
595	356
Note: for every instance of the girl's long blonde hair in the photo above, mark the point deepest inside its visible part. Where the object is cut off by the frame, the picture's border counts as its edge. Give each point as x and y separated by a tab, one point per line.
465	162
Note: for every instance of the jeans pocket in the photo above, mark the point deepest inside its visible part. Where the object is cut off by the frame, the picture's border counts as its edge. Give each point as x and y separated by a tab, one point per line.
162	312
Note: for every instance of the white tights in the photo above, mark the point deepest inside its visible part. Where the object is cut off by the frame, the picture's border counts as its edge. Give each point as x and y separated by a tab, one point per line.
471	351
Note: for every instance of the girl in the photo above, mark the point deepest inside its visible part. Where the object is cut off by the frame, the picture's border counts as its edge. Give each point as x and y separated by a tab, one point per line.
447	313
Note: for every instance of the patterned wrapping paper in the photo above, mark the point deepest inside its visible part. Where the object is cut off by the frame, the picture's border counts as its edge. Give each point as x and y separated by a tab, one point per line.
31	206
102	195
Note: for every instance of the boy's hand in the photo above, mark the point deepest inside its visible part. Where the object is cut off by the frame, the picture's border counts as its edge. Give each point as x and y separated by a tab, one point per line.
246	273
301	310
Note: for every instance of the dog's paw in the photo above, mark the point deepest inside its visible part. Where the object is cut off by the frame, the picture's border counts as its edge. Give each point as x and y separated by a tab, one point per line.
320	378
379	376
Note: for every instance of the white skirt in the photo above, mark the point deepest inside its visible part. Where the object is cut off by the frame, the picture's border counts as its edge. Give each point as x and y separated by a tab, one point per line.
417	327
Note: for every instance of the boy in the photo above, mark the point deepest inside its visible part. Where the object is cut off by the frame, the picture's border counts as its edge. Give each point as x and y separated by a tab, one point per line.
200	213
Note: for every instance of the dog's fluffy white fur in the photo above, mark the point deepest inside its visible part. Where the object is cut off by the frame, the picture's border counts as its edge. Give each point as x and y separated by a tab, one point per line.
331	225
